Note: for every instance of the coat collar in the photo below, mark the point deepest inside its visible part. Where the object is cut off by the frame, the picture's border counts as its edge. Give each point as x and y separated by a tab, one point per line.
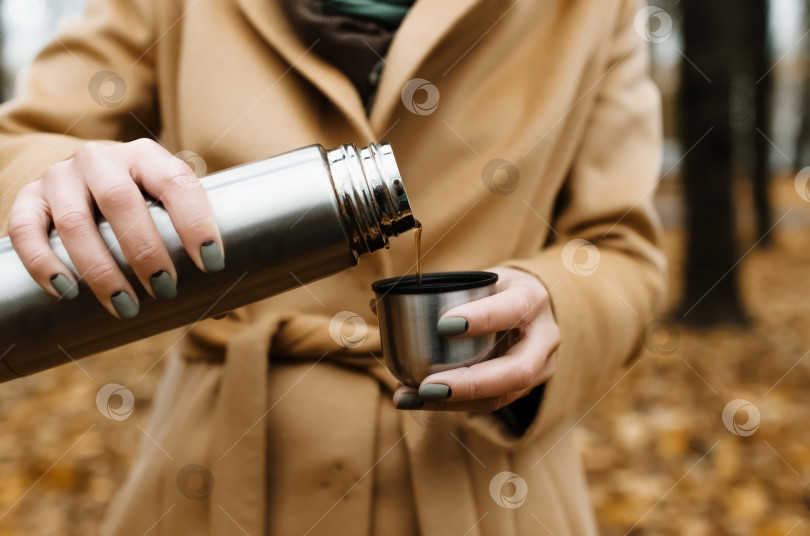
421	31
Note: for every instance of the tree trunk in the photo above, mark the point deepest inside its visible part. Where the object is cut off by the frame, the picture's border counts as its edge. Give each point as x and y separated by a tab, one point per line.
760	176
804	124
711	291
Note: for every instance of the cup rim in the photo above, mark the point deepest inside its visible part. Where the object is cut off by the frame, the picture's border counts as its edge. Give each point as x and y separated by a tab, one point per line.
434	283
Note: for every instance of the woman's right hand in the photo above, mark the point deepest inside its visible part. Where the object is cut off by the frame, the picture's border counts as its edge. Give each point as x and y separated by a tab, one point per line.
113	177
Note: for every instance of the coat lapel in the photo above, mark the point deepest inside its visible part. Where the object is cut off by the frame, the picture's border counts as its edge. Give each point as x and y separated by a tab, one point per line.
422	30
271	23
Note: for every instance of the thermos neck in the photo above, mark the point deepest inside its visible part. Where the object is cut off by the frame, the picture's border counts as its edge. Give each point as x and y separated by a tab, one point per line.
372	200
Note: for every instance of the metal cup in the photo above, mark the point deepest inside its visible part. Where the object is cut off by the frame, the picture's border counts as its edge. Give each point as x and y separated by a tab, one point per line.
408	312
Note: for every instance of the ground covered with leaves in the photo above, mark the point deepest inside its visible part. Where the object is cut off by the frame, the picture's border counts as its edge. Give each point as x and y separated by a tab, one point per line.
660	458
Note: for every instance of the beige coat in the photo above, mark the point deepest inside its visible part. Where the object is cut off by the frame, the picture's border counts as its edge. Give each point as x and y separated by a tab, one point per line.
313	445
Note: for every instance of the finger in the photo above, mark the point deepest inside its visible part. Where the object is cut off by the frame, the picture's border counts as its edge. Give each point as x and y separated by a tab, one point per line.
407	397
29	222
512	308
121	202
72	213
482	405
521	368
173	183
488	405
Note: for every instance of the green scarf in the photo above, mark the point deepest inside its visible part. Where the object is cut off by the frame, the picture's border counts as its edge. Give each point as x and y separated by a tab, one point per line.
388	13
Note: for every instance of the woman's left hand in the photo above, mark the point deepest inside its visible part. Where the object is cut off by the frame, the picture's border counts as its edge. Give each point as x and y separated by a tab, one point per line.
521	304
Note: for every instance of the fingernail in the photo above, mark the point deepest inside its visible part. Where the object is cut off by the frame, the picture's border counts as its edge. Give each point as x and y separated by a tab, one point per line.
66	288
434	392
452	326
409	401
212	257
124	305
163	285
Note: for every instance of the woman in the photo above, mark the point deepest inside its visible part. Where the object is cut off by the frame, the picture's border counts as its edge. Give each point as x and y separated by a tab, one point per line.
528	135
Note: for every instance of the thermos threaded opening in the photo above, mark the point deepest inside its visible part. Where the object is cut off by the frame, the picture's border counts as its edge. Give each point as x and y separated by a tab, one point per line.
372	199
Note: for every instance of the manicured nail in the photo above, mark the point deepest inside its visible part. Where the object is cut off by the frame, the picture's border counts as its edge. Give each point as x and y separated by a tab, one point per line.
409	401
452	326
124	305
66	288
163	285
212	257
434	392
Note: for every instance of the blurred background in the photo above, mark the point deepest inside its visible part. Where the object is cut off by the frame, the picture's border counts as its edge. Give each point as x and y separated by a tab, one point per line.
706	434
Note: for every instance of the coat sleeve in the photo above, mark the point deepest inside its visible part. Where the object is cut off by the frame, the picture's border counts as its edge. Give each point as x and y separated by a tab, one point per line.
603	268
93	81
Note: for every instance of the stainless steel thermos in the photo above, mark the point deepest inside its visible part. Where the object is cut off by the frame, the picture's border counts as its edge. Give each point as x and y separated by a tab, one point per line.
284	221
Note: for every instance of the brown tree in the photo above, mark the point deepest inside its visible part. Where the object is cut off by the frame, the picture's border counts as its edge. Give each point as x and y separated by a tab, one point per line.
804	125
711	291
762	70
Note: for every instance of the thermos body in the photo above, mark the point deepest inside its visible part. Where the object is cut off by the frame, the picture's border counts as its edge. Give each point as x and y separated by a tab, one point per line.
285	221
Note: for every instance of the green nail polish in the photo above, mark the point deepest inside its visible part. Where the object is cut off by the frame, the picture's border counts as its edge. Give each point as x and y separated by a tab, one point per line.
409	401
66	288
124	305
212	257
163	285
452	326
434	392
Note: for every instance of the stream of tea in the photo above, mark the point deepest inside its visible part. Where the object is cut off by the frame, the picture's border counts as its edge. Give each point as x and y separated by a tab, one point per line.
417	236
